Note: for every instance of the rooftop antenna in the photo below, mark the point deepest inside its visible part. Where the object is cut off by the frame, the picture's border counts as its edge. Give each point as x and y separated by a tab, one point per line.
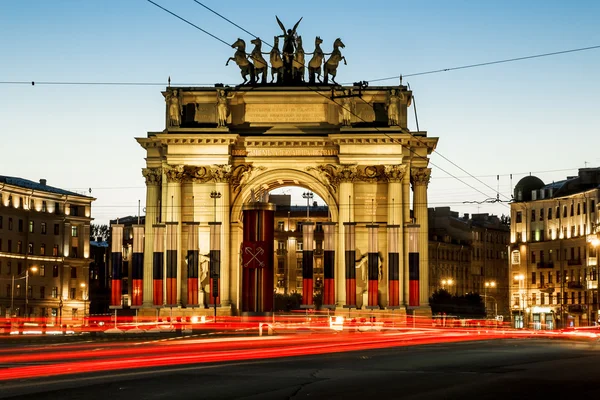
169	81
400	79
511	187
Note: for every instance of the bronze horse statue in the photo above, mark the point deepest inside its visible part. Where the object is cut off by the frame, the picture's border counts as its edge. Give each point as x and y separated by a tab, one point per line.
298	62
241	59
276	62
314	65
334	60
260	65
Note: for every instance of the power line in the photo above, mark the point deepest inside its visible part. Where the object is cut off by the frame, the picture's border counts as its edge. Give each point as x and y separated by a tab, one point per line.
435	71
357	116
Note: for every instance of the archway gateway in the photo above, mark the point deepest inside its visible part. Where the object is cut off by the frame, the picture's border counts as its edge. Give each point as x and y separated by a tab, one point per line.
218	156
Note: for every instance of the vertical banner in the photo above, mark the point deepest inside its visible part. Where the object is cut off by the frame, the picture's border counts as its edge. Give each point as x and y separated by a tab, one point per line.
215	262
413	265
393	266
116	256
137	264
171	264
192	264
329	264
373	259
158	264
308	237
350	257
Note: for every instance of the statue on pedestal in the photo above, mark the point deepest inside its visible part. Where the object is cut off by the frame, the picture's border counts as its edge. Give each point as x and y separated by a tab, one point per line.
394	98
222	107
174	108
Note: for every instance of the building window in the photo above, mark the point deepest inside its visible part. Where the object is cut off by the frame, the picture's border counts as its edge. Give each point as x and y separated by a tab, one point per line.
533	258
572	209
20	225
30	248
10	224
43	228
43	250
42	292
56	229
55	271
280	225
73	292
0	219
74	252
519	217
8	268
564	211
298	246
549	212
9	246
74	231
19	247
532	215
31	226
73	272
533	280
550	277
55	292
44	206
8	290
42	270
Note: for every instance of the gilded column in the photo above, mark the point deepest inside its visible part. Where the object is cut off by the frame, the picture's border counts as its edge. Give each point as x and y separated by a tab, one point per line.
395	219
153	182
222	186
175	176
420	179
406	220
344	176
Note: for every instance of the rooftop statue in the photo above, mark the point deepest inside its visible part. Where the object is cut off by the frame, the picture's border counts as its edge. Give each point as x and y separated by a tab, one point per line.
260	65
288	50
241	59
334	60
276	61
314	65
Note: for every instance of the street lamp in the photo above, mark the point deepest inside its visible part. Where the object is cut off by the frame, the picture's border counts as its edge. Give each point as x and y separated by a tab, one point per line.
308	196
33	269
521	280
489	284
215	245
85	296
448	282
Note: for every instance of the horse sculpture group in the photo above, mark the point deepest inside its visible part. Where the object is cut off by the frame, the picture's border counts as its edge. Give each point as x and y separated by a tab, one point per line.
289	64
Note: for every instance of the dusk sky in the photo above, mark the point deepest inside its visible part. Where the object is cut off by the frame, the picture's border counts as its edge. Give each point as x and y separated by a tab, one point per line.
538	116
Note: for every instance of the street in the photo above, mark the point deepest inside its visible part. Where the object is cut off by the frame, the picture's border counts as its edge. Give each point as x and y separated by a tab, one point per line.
488	369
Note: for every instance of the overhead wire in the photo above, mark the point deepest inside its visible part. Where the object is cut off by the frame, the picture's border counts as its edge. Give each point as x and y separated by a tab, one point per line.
342	106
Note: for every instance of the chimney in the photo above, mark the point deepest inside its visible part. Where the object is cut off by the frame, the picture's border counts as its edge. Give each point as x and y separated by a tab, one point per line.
43	182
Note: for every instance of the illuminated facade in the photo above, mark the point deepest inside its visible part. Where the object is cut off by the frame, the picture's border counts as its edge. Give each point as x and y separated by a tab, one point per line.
223	148
553	260
44	250
469	254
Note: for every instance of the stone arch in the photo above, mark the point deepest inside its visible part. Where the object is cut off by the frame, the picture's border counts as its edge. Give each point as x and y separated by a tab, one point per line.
280	177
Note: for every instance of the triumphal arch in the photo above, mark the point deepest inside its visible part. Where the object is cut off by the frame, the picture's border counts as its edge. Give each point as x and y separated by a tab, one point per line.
208	233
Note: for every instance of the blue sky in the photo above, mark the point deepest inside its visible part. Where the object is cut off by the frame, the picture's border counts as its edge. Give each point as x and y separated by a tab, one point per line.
539	116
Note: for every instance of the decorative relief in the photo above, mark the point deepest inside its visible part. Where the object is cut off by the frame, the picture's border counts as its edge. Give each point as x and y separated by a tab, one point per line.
235	176
153	175
175	173
420	176
394	173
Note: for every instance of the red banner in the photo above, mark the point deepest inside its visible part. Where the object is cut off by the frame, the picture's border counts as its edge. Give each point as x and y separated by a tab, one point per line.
254	254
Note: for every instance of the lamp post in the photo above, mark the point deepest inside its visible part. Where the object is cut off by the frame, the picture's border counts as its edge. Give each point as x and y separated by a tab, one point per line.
489	284
215	264
84	296
447	282
33	269
308	196
521	281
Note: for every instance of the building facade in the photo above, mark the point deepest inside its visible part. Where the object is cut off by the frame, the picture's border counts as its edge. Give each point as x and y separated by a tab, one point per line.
469	254
44	250
554	244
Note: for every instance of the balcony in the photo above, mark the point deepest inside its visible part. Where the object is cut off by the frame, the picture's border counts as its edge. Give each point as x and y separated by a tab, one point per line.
576	308
281	252
545	264
575	285
574	262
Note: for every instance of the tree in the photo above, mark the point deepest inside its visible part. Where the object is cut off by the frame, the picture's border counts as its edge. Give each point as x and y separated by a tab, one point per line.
99	231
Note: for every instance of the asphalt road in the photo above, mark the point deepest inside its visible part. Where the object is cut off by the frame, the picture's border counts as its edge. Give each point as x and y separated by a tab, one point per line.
494	369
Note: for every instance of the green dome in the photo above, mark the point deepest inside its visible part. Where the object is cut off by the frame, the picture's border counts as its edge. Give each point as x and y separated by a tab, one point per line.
525	186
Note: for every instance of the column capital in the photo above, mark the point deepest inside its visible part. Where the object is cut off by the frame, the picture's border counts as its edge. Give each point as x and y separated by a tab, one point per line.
175	173
420	176
395	173
153	175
